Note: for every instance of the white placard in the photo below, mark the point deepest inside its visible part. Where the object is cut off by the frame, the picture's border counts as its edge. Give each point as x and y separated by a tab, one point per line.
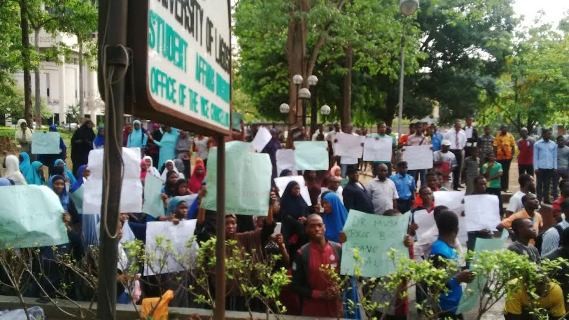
305	195
261	139
183	256
418	157
348	145
278	229
285	160
453	200
188	67
378	149
481	212
131	193
427	231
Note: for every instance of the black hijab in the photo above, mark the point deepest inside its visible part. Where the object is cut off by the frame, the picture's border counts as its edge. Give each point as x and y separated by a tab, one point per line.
291	205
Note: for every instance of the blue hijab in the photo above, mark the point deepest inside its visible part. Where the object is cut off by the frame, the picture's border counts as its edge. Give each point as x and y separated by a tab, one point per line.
64	196
29	170
99	141
335	220
78	179
173	204
66	171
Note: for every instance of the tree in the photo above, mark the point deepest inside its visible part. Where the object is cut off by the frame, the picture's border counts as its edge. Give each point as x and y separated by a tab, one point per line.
534	87
26	59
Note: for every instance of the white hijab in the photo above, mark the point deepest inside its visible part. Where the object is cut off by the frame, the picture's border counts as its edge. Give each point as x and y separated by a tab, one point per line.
151	170
13	170
24	136
165	172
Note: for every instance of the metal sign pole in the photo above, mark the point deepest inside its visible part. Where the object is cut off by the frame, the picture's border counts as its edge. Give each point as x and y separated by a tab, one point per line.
113	65
219	312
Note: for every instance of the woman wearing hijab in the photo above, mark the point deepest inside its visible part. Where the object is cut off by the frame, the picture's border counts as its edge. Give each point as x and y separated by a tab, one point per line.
99	142
334	216
167	145
13	170
65	171
57	184
23	136
150	166
198	176
293	213
151	148
137	138
31	171
170	184
49	159
168	167
82	174
81	144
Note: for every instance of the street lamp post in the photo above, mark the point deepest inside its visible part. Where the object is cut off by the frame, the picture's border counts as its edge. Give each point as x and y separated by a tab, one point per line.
297	80
325	111
407	8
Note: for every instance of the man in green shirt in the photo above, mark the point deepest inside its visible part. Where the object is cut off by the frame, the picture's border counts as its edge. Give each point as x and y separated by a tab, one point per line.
492	170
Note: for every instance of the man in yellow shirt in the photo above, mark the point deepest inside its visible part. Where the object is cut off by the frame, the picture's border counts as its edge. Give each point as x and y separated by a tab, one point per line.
505	147
531	204
550	298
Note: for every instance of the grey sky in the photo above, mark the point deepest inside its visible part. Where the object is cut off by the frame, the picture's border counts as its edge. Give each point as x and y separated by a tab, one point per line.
554	10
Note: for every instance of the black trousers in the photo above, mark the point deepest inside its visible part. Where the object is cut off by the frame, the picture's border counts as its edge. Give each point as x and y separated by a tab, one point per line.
544	179
505	179
458	169
525	169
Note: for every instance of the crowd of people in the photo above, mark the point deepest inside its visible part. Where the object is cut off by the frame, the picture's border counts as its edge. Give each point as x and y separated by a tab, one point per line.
311	235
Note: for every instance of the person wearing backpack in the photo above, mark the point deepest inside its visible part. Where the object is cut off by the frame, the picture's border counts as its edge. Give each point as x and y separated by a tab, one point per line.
548	241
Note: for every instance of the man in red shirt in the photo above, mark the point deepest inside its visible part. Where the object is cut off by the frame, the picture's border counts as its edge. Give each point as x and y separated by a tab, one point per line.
320	296
564	189
525	158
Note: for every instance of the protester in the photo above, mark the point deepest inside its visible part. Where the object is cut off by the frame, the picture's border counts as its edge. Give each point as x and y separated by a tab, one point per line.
82	174
471	137
201	147
184	144
545	163
404	137
562	277
198	177
436	137
525	157
320	295
405	185
550	295
31	171
99	142
382	191
486	144
332	184
355	195
551	237
82	144
13	170
505	146
480	187
527	184
445	163
293	213
334	216
167	145
67	174
562	171
152	149
150	169
471	169
531	204
138	137
444	249
564	190
23	136
169	189
457	139
493	172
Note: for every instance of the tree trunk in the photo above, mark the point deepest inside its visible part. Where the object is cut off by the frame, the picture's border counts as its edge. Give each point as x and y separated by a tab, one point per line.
26	63
390	105
296	51
346	117
81	82
37	88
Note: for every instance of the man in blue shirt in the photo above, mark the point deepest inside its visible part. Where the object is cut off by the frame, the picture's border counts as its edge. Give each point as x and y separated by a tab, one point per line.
436	138
443	249
405	185
545	163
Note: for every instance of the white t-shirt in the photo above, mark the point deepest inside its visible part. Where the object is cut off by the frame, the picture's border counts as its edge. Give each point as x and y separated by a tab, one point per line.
382	194
515	203
201	147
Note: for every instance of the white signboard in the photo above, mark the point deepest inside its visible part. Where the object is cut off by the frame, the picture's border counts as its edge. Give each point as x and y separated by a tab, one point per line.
189	58
378	149
418	157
